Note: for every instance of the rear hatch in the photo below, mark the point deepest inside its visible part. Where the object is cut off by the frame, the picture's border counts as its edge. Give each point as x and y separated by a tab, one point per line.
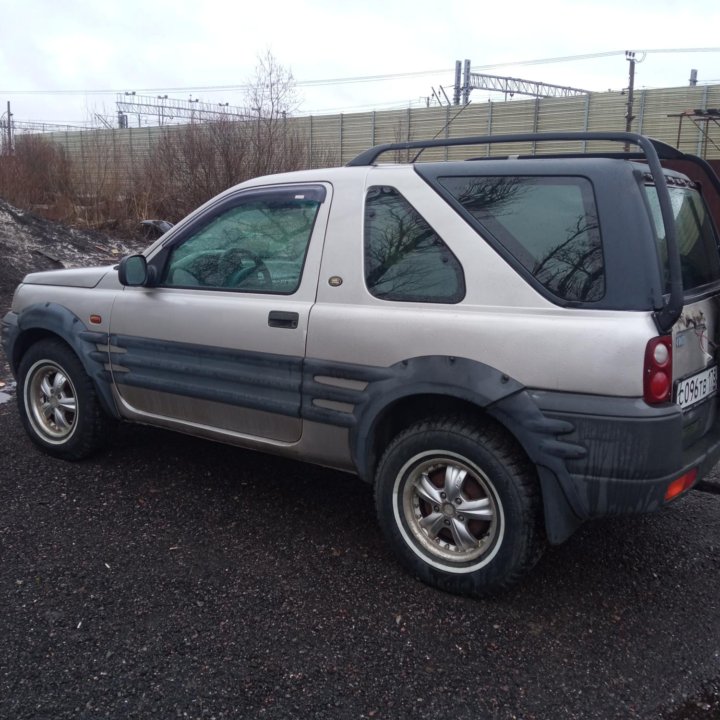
695	334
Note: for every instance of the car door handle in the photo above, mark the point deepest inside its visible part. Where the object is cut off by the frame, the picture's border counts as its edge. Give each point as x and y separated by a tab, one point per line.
282	319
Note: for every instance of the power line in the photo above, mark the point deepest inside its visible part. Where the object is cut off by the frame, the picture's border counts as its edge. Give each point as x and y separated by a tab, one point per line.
363	78
389	105
227	88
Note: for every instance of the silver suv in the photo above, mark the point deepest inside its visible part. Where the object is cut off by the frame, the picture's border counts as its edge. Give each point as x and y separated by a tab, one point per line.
505	347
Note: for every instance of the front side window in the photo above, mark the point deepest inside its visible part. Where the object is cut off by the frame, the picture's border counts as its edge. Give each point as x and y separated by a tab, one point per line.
256	245
548	224
696	239
405	259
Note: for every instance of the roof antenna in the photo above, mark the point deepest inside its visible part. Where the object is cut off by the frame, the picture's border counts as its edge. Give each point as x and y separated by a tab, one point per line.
441	130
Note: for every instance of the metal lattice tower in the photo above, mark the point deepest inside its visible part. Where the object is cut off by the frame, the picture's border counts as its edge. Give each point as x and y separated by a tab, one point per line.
516	86
507	85
165	110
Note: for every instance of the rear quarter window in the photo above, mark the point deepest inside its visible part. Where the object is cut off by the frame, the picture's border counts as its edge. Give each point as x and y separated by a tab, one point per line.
405	259
548	224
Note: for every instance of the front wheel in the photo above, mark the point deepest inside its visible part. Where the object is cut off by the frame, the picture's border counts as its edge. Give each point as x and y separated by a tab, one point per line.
57	402
459	503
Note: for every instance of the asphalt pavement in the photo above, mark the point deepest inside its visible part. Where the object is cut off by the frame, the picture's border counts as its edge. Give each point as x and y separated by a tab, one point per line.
175	578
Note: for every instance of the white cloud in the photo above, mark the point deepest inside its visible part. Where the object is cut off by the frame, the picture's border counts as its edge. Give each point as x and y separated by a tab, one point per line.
85	45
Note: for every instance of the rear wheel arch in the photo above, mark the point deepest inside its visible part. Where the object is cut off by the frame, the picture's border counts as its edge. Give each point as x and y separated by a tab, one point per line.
418	387
403	412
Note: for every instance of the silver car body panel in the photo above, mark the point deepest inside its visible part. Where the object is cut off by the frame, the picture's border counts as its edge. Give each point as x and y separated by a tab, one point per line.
74	277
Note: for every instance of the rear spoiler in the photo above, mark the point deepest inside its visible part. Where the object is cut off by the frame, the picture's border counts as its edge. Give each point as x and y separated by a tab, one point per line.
652	152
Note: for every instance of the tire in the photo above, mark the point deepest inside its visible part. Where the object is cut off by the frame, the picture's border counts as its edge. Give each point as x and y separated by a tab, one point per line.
460	505
57	402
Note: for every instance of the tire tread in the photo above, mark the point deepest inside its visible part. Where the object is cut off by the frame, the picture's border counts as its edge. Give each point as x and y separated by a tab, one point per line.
496	440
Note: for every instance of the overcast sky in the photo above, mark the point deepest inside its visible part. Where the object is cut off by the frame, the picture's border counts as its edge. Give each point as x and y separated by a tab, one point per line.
50	48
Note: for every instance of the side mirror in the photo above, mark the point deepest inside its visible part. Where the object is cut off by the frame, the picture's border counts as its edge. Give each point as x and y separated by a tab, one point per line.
133	271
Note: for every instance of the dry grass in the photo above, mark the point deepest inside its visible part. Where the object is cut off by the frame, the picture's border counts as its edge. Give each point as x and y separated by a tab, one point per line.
189	165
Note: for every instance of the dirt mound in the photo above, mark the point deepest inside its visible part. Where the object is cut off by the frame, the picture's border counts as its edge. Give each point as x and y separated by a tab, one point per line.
29	243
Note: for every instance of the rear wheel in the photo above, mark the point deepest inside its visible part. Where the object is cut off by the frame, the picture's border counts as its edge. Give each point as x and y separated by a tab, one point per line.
459	503
57	402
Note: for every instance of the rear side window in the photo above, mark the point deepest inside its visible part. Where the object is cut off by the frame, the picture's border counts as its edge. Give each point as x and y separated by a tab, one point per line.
696	238
405	259
548	224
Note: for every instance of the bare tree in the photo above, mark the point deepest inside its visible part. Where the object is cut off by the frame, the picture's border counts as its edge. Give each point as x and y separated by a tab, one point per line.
272	94
271	98
37	173
194	162
188	165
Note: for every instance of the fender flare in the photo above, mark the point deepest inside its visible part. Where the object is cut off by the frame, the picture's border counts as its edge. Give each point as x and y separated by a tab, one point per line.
61	322
504	399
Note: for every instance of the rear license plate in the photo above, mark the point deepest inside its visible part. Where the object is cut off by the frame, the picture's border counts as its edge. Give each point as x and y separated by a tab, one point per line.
691	390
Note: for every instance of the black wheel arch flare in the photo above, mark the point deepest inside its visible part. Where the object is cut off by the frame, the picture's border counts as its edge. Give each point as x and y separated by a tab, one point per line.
497	394
58	321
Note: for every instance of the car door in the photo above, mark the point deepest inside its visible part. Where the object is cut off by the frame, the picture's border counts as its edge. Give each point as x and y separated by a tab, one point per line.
217	345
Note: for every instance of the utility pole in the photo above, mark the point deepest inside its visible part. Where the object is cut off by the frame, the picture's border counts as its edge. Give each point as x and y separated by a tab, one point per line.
9	130
456	91
466	83
629	117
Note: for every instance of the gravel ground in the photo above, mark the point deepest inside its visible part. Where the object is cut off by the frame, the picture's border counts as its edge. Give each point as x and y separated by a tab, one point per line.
172	577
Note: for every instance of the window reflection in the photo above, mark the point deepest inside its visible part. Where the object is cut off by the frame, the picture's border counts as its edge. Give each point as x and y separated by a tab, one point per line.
550	225
405	259
258	245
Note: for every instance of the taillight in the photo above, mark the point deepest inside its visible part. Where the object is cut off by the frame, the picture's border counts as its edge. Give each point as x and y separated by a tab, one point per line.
657	371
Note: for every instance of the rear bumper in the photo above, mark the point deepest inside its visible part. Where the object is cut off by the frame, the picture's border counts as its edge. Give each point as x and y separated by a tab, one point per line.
599	456
633	450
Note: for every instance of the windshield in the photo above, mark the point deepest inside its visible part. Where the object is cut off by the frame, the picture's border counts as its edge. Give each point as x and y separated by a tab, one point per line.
696	238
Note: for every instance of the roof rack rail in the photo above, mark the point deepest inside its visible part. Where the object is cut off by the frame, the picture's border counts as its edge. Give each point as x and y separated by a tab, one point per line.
663	150
652	151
